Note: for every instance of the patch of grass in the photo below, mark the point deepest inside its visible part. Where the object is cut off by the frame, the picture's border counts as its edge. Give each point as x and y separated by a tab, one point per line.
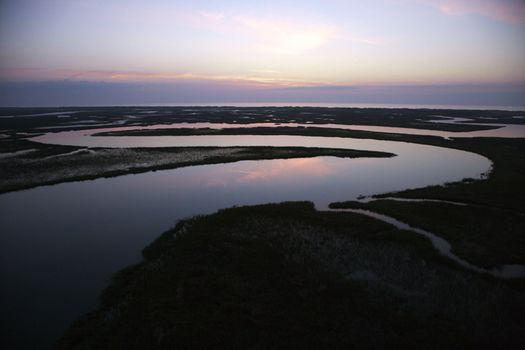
482	235
37	169
504	188
288	277
489	230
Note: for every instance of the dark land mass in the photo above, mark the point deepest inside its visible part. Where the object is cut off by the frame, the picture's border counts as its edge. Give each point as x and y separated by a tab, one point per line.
20	119
485	236
289	277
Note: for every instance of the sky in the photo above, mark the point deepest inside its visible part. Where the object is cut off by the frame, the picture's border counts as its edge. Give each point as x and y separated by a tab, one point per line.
89	52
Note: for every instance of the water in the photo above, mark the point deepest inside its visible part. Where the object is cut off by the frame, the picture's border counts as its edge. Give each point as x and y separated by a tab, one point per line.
60	244
328	105
85	138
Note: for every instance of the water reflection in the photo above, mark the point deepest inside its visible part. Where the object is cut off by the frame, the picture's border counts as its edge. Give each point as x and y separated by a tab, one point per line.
85	138
80	233
417	165
283	170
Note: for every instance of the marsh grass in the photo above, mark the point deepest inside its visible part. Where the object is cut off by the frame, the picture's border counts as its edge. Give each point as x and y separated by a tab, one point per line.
286	276
50	164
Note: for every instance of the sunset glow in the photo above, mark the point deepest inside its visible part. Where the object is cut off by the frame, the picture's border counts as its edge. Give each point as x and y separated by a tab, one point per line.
278	44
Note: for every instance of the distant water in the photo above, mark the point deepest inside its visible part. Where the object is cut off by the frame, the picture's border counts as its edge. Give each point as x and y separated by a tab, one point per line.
329	104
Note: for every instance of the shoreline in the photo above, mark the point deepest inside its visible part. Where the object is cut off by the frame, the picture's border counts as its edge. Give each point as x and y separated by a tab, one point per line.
119	162
490	246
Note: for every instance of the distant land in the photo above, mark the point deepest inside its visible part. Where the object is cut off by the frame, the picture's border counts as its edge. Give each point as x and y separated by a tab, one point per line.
297	104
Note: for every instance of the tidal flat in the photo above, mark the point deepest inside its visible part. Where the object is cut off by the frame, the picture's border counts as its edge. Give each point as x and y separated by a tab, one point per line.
288	275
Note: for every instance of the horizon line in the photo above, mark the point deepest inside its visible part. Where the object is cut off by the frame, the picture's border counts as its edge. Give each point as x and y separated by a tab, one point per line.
348	105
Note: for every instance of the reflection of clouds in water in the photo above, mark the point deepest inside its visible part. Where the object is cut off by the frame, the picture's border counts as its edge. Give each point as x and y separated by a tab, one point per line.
414	164
216	182
286	168
275	170
85	137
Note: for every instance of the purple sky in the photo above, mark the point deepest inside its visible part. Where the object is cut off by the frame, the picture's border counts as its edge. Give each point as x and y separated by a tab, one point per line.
80	52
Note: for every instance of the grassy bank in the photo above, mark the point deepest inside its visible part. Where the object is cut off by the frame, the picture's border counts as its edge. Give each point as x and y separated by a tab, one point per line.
484	236
504	188
288	277
48	164
487	231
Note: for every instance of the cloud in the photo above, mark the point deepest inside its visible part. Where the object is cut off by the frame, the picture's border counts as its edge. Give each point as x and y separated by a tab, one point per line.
285	36
213	16
510	11
280	35
257	79
82	93
375	41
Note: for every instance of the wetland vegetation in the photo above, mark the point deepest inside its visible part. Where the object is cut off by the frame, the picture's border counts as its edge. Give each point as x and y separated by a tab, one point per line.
287	275
52	164
489	228
23	119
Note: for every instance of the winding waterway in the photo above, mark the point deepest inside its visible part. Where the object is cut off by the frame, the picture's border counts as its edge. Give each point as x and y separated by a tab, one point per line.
85	137
78	234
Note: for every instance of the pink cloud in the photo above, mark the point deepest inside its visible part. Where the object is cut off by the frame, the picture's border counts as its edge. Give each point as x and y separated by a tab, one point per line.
257	79
510	11
286	36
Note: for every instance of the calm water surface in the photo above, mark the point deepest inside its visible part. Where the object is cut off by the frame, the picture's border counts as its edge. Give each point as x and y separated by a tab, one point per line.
60	244
85	138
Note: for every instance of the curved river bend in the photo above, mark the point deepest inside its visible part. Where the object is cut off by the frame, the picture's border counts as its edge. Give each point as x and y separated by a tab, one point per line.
80	233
